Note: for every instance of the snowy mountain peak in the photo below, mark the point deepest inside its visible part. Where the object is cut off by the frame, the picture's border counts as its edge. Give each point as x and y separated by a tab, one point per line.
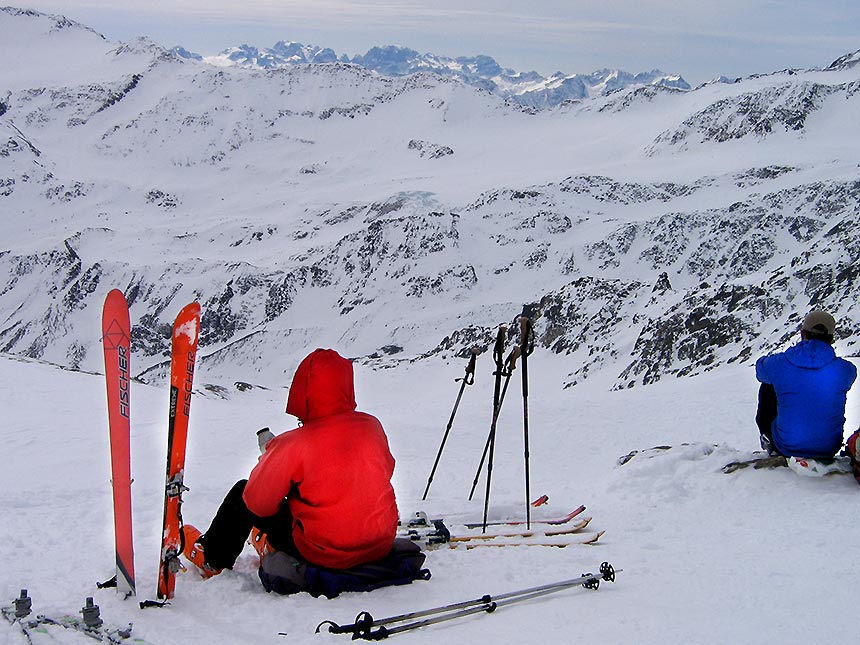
846	61
484	72
281	54
181	52
49	22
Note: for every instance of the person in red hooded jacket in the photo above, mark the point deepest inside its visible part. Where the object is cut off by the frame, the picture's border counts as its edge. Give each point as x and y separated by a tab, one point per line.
321	492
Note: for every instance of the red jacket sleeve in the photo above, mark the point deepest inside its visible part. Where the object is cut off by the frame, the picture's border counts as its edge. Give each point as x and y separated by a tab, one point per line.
278	470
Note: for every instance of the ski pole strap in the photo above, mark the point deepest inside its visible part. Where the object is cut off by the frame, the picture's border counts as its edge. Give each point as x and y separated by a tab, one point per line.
527	336
470	368
144	604
499	349
107	584
511	361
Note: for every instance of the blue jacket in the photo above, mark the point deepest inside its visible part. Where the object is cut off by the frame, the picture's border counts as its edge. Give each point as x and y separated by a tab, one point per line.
811	385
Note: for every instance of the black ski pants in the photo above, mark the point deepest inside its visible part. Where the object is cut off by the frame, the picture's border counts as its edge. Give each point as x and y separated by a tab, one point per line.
766	412
226	536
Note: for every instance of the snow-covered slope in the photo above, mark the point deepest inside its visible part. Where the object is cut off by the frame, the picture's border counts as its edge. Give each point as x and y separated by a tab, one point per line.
696	546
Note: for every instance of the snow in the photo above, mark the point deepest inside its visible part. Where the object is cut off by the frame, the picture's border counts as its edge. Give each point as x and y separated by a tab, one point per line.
189	330
706	557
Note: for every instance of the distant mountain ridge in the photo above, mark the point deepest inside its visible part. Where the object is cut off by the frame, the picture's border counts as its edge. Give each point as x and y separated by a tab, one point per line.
524	88
651	232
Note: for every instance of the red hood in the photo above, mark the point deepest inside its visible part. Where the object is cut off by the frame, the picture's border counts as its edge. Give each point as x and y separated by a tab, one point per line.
323	385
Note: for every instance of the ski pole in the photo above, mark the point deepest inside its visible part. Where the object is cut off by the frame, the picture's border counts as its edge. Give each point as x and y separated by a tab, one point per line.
526	347
498	353
510	364
467	380
364	624
606	573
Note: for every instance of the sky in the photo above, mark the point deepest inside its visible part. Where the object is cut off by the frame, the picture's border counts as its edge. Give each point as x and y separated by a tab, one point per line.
698	40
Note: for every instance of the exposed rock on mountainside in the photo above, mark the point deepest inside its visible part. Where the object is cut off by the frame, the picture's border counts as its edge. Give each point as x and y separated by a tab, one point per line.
778	109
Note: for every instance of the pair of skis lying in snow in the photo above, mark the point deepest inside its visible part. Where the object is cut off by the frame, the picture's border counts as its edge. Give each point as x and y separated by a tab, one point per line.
42	628
758	460
550	532
803	466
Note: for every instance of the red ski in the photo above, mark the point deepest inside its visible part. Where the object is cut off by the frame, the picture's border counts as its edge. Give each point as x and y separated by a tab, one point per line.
564	519
574	528
184	352
116	334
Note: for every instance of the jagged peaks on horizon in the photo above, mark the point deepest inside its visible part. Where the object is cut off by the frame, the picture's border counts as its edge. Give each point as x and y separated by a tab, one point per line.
527	88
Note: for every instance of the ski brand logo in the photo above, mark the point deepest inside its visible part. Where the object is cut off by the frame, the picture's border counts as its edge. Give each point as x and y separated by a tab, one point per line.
122	360
115	337
173	397
189	379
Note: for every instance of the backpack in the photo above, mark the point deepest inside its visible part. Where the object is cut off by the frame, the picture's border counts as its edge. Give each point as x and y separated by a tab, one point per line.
852	448
285	574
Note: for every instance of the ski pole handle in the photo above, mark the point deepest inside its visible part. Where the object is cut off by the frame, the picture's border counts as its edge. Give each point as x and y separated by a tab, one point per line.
470	368
499	349
527	339
264	436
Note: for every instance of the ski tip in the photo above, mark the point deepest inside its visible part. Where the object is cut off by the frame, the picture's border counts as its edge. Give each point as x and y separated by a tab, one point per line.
594	538
191	309
187	323
115	294
577	511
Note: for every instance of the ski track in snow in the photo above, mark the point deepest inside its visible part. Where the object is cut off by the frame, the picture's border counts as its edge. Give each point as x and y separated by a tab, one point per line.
706	557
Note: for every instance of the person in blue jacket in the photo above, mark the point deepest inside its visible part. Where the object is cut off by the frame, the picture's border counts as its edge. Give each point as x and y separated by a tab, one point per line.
801	404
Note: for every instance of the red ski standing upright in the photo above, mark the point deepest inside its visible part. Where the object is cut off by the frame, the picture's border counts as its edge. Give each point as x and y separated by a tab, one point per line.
183	355
116	342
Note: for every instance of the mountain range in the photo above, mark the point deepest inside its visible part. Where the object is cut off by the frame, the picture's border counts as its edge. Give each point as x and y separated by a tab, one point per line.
650	232
523	88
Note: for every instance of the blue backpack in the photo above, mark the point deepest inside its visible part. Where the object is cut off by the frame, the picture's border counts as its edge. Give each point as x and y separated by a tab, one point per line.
285	574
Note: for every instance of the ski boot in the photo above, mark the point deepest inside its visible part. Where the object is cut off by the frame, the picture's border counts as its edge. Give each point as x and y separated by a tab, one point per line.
193	551
260	542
